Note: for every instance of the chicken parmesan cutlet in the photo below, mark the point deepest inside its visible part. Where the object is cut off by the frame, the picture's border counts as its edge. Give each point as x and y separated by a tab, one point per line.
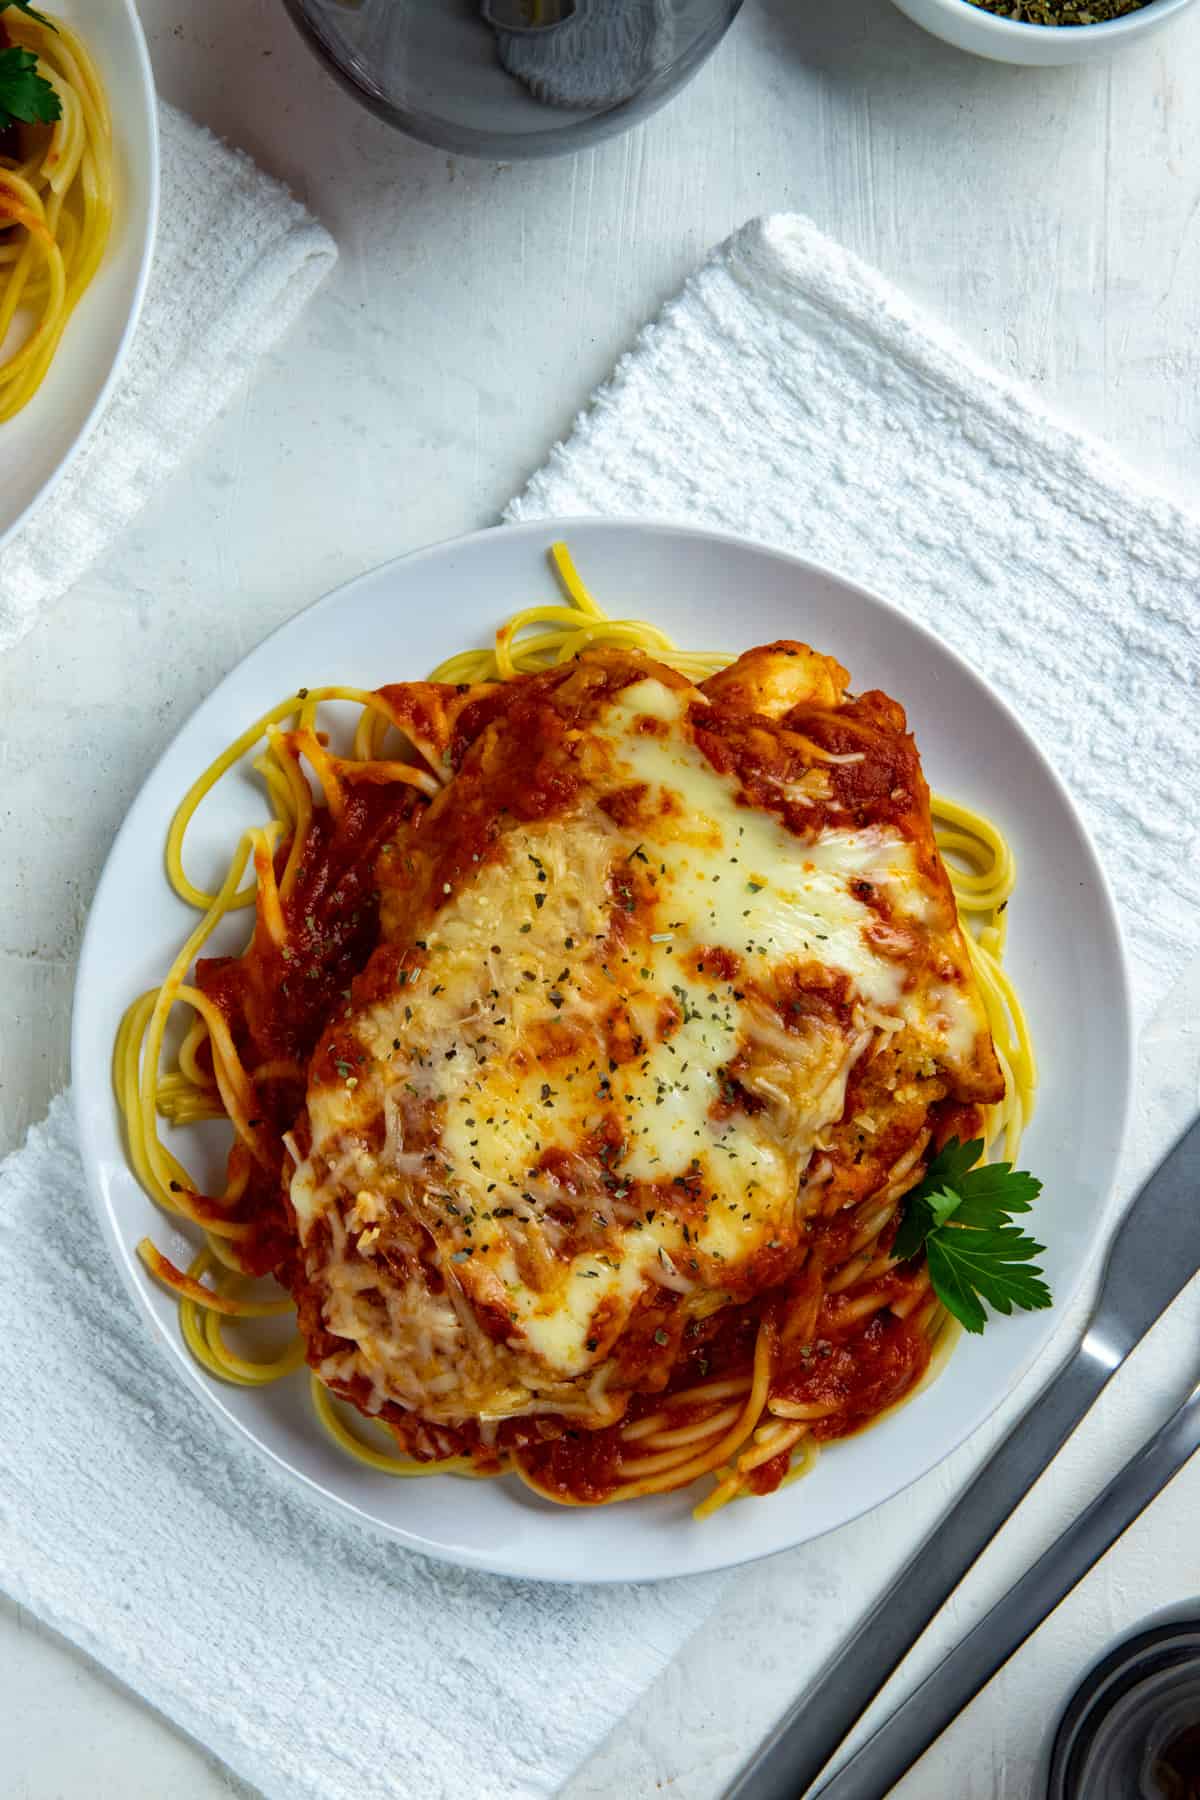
669	1001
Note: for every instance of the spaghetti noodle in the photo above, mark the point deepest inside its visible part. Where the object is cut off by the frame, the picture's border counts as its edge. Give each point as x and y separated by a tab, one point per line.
56	204
756	1387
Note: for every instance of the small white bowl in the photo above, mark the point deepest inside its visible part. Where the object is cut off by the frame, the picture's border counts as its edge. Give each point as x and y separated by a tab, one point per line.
1037	46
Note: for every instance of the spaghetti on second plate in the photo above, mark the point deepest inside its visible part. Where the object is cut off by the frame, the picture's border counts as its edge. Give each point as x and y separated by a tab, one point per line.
56	201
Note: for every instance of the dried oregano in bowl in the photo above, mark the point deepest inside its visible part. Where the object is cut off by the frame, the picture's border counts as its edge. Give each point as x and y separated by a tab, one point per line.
1060	12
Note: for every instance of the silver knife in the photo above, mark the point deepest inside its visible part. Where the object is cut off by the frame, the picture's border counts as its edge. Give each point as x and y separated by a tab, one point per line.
1153	1256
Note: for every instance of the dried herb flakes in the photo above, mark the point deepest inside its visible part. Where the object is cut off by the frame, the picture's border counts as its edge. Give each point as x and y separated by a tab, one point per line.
1060	12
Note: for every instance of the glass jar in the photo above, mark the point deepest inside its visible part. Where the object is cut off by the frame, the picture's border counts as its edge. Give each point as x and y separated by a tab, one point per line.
1131	1731
513	78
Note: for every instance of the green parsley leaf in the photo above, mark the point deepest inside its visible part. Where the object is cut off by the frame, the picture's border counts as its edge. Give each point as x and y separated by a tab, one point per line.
997	1187
966	1264
25	96
30	12
962	1216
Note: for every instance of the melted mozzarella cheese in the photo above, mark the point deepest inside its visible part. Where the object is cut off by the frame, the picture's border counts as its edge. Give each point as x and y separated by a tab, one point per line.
740	878
496	1071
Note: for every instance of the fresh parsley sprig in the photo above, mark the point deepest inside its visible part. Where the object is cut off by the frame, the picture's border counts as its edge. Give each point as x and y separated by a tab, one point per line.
962	1217
26	98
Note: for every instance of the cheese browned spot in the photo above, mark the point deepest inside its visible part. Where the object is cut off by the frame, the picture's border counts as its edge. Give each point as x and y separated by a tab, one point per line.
663	974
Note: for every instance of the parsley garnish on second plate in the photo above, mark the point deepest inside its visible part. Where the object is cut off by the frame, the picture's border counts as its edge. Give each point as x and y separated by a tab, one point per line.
26	98
962	1216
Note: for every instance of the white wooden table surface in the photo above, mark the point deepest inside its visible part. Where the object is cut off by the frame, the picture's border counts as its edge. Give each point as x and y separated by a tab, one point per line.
1053	218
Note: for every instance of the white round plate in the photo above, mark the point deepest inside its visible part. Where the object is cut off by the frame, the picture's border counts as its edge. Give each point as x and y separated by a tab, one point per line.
38	444
707	590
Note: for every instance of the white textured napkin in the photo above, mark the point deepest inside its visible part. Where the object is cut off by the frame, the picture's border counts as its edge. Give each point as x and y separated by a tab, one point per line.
235	261
789	394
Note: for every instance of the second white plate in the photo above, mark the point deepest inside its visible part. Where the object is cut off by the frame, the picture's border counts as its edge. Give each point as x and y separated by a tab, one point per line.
38	444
